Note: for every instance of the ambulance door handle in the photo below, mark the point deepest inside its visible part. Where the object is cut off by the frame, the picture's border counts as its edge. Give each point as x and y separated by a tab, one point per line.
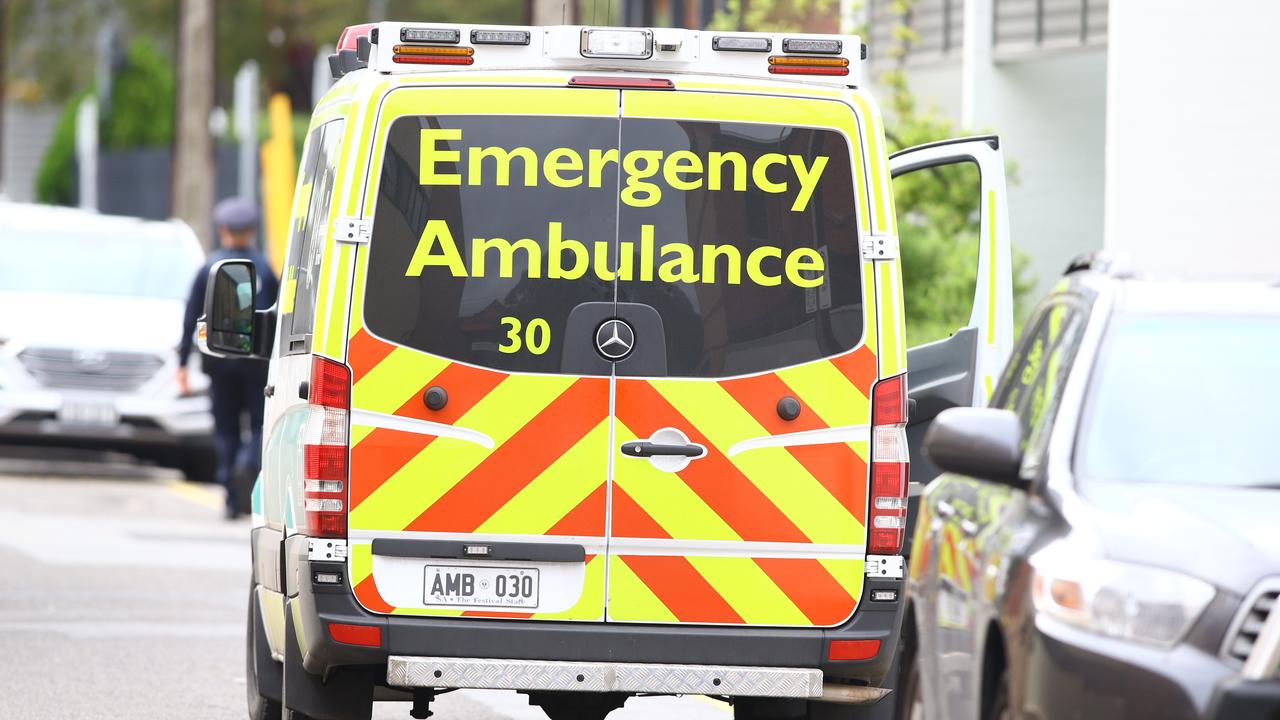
646	449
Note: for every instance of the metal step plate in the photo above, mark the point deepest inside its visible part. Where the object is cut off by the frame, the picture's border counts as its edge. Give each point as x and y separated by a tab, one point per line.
440	672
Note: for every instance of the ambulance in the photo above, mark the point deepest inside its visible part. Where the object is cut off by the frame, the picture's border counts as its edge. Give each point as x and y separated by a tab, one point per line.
589	377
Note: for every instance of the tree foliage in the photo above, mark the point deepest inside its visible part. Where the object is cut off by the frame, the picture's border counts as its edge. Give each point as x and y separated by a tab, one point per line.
141	114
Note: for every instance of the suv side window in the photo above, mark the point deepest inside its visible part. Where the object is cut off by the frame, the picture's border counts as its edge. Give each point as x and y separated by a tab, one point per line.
311	224
1033	380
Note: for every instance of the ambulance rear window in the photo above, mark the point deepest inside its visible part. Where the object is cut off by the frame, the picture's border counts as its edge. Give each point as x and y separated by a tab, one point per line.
490	231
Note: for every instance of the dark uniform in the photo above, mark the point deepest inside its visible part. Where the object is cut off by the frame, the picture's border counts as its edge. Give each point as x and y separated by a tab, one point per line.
235	384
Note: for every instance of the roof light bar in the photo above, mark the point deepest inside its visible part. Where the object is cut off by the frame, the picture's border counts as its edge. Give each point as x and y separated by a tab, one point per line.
429	35
500	37
738	43
805	45
613	43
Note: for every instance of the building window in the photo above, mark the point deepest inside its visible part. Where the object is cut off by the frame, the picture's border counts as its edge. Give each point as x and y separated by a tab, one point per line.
1029	25
936	29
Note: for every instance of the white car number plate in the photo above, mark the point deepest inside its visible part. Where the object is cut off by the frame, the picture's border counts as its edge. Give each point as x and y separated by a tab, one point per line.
496	587
88	414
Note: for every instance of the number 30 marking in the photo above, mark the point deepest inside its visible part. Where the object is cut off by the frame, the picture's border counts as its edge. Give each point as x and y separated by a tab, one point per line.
537	336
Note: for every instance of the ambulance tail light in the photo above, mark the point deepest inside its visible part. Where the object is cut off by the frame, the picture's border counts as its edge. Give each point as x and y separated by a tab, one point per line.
890	467
791	65
325	448
432	55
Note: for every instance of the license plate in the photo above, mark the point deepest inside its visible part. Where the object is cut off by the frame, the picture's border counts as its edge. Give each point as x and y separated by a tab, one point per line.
500	587
88	414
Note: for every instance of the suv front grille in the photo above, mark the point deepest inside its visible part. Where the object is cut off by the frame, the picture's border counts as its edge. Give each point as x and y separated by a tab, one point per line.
1248	624
90	370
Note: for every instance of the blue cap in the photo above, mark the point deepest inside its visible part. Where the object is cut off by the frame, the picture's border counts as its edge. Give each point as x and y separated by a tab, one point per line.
236	214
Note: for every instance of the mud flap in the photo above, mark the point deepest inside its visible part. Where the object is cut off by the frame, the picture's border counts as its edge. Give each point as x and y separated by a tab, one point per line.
346	694
268	676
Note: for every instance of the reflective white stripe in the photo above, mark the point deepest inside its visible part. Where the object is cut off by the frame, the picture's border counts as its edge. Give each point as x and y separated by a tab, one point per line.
848	433
421	427
642	546
731	548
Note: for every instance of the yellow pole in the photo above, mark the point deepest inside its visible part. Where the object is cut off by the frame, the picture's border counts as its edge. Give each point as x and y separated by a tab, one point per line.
279	174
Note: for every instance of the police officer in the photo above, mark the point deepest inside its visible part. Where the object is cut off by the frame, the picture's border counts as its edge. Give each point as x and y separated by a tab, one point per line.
235	384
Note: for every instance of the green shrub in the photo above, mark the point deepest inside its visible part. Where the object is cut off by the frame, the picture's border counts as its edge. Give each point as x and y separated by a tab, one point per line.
141	115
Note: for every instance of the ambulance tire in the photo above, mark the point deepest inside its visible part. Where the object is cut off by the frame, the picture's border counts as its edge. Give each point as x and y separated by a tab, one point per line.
263	675
346	694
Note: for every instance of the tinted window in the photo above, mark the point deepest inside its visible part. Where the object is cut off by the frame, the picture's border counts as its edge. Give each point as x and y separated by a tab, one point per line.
1184	400
311	223
773	273
489	232
470	270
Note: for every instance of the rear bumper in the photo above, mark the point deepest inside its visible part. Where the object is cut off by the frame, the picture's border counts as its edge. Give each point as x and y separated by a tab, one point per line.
550	675
489	639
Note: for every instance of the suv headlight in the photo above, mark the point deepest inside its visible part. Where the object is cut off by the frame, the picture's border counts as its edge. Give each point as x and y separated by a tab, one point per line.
1116	599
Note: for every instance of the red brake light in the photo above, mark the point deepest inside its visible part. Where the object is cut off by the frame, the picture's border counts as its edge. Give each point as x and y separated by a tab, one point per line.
325	449
890	467
330	384
351	34
628	83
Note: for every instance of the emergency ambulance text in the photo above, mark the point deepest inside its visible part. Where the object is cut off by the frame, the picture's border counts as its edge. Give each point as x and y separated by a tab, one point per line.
566	168
568	259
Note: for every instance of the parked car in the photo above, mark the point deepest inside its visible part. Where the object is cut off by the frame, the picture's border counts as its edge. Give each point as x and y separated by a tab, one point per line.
1104	542
90	312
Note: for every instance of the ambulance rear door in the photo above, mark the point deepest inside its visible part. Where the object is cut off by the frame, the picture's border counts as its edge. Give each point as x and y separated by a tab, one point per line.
479	429
740	442
961	369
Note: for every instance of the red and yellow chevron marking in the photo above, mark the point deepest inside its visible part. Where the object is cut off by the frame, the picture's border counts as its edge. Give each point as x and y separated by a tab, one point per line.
733	590
544	475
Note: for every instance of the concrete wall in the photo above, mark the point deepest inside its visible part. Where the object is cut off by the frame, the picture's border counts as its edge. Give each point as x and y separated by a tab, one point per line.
1193	153
1050	111
27	132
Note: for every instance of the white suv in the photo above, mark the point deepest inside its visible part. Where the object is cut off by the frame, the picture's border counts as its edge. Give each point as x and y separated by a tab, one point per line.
90	311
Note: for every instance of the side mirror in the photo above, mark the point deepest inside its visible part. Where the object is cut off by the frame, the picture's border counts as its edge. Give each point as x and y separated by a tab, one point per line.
984	443
233	325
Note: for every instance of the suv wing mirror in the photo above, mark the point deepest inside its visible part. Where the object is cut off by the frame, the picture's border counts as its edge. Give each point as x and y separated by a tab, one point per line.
234	326
984	443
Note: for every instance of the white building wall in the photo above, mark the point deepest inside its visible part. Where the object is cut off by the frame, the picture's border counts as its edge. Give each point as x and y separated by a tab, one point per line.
1193	156
1050	112
1049	109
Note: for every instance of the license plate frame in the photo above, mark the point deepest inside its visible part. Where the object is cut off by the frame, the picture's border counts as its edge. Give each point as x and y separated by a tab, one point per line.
88	414
481	591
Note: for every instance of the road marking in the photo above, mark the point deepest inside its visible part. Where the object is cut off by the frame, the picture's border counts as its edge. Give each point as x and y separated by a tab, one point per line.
204	495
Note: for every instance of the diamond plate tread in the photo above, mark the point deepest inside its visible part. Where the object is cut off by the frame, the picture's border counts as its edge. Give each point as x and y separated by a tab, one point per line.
603	677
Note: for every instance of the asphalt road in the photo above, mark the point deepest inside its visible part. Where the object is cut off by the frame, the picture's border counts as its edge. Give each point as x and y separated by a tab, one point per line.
123	596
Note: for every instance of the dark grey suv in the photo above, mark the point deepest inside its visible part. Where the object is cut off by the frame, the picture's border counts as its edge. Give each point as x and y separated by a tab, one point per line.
1105	539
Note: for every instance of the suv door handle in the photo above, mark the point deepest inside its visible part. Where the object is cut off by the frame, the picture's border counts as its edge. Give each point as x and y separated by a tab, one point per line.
269	391
645	448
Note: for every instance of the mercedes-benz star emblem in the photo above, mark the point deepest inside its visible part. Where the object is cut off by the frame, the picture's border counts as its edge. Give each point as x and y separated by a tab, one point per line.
614	339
